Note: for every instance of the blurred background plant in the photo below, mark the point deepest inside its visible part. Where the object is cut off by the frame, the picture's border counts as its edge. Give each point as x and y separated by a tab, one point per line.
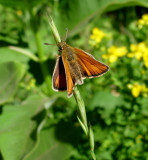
37	123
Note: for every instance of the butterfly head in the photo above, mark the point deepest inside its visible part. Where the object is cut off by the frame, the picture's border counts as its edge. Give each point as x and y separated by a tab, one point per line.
62	45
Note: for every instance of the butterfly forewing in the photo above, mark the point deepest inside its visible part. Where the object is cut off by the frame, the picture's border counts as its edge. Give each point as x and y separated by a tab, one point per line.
70	83
89	65
59	76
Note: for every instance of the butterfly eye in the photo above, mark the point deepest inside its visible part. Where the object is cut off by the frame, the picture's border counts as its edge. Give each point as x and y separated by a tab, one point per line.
60	48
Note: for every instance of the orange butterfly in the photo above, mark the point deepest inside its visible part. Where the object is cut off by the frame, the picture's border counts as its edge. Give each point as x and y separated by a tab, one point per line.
74	65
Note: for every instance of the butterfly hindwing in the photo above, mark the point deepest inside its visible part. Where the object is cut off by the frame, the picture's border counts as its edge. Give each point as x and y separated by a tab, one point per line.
59	77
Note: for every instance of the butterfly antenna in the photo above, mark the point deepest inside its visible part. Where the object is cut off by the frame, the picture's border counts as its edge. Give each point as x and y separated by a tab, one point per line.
49	44
66	34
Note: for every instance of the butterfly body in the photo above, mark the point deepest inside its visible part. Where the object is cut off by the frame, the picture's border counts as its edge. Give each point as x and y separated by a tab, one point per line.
74	65
68	54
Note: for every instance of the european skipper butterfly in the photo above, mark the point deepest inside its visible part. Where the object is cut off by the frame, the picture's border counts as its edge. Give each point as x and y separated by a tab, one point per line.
73	66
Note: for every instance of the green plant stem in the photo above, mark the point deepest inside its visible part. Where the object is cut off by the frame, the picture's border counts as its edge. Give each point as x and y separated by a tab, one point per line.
83	121
43	65
81	106
81	109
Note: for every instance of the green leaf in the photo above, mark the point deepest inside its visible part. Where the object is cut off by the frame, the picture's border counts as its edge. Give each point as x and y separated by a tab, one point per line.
7	54
83	126
21	4
106	100
80	12
11	74
91	138
55	142
25	52
16	127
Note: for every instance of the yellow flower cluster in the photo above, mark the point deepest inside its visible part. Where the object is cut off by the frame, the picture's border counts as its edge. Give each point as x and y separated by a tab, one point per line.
140	52
114	53
143	21
137	89
96	36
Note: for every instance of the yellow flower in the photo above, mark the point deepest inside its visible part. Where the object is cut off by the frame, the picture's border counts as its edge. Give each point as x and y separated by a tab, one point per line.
95	31
118	51
105	56
114	53
112	49
145	17
136	90
112	58
144	88
139	51
146	64
138	55
130	55
145	59
142	46
133	47
97	35
121	51
143	21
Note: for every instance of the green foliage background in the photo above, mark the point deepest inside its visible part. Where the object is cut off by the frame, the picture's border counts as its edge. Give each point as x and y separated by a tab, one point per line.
37	123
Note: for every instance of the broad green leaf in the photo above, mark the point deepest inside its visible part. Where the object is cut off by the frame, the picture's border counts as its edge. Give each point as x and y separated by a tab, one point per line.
106	103
10	76
17	127
106	100
80	12
55	142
